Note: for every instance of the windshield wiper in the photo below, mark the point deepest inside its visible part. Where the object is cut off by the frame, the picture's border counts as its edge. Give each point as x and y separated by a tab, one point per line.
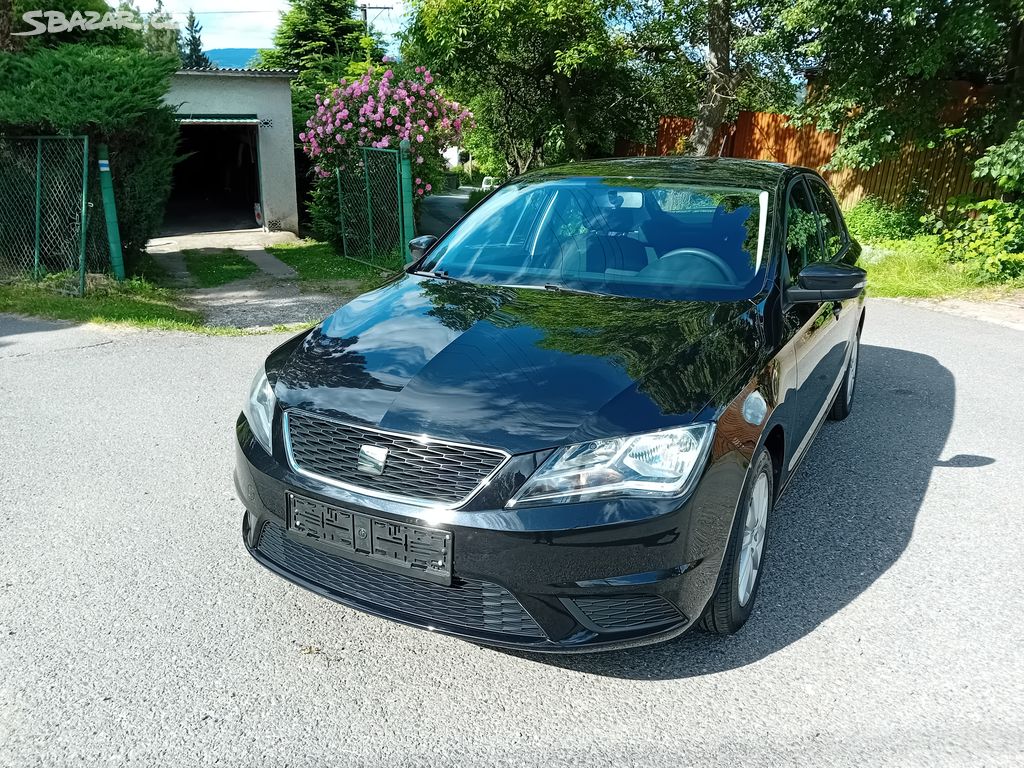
439	274
554	288
564	289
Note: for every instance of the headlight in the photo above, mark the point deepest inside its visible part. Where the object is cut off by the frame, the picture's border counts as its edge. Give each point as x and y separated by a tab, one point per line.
657	464
259	408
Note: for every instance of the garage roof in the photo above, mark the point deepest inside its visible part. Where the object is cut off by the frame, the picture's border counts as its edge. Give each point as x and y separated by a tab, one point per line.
239	72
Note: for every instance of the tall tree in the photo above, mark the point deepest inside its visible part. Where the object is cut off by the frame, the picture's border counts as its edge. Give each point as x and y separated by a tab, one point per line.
883	70
730	50
544	78
314	35
160	34
192	55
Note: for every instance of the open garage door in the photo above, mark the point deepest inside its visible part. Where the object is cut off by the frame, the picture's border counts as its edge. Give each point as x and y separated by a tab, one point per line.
216	183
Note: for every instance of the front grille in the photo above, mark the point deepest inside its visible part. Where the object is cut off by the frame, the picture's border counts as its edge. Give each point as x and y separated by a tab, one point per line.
627	612
417	469
472	605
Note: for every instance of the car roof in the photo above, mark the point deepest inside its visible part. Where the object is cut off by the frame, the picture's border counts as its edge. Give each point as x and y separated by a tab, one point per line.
729	171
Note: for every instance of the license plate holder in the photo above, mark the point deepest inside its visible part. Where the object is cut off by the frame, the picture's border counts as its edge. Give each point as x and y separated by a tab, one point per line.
396	546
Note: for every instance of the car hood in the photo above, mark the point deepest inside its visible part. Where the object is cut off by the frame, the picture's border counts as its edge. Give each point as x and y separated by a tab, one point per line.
514	368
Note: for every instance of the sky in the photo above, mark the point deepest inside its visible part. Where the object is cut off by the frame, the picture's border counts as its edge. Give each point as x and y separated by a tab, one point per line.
251	23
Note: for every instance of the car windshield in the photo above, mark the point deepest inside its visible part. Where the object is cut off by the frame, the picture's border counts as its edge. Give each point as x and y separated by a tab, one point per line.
626	237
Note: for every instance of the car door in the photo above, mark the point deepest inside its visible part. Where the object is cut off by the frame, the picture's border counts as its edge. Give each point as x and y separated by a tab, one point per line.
820	346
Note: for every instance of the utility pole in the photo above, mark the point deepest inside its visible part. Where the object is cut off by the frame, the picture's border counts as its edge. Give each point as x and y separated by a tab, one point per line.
364	8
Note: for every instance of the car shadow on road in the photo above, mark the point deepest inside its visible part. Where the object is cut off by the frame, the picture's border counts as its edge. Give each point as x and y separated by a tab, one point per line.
845	519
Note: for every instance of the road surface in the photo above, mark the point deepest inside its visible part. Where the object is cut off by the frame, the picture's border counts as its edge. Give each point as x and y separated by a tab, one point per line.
135	630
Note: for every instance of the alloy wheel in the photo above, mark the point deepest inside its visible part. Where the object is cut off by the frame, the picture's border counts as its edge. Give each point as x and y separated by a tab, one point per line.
755	525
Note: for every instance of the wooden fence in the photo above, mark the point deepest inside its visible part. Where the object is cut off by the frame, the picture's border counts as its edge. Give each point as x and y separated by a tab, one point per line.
940	173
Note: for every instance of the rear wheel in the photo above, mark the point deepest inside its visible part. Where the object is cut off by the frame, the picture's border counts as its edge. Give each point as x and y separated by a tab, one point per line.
844	397
742	568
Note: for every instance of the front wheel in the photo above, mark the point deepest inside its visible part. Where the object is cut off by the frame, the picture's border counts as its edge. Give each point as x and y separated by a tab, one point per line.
742	568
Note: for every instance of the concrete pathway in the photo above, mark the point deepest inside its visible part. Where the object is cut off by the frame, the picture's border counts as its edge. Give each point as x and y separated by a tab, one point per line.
273	297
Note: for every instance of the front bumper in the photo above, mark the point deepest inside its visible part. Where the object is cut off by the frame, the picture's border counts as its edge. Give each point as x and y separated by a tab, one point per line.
567	578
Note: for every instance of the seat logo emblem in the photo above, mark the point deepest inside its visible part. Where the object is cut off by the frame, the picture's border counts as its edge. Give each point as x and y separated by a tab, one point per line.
372	459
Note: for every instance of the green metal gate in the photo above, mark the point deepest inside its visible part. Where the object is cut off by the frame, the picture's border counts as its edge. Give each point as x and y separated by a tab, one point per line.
375	207
43	204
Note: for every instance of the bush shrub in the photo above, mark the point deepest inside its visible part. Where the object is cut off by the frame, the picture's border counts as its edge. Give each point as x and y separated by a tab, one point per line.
987	237
113	95
872	220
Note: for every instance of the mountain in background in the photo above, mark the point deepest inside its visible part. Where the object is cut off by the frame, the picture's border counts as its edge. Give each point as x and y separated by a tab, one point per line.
231	57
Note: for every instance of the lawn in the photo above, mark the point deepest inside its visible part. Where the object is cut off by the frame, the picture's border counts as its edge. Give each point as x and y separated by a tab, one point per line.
214	267
914	268
316	261
134	302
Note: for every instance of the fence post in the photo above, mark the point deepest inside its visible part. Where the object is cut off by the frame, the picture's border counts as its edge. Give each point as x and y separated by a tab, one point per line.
39	206
405	200
85	225
369	199
110	211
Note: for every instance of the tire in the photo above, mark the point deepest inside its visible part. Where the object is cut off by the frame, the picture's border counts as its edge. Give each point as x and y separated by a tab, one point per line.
844	397
733	600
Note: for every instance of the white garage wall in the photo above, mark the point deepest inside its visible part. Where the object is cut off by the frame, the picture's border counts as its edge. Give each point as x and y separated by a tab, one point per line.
202	93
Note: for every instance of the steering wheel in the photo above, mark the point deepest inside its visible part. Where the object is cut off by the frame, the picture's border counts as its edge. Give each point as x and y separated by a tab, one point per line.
715	261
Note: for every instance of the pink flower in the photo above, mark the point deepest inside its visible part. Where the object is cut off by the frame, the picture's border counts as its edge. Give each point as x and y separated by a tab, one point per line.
419	137
428	187
419	181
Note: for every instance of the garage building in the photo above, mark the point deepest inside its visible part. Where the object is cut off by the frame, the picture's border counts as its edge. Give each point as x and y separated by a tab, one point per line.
238	151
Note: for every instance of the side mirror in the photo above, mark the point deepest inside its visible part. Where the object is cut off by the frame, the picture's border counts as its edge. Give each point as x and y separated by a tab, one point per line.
420	245
827	281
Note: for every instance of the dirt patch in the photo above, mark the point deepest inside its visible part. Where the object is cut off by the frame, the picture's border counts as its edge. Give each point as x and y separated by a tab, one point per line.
263	302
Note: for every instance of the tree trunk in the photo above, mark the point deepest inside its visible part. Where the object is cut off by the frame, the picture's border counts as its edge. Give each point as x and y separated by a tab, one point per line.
6	25
572	142
721	82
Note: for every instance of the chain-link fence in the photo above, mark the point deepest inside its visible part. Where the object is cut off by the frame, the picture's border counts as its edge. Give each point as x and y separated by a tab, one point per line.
373	202
43	184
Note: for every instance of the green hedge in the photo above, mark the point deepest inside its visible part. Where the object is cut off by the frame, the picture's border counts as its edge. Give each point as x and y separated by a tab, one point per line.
114	95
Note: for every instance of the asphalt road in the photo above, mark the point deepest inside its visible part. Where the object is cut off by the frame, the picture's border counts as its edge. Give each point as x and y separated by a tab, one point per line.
135	630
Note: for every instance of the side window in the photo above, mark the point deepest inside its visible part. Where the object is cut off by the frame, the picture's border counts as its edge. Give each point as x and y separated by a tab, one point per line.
802	243
832	231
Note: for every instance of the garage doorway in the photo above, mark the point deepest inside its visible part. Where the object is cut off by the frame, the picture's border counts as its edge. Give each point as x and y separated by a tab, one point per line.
216	183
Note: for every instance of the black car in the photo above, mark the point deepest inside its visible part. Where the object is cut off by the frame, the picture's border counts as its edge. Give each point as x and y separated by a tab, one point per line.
565	426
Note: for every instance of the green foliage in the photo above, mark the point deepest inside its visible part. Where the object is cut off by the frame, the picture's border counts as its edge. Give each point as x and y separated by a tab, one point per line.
323	211
883	69
917	267
114	95
872	220
192	55
314	35
134	302
543	79
212	268
122	38
323	262
1004	163
987	237
157	39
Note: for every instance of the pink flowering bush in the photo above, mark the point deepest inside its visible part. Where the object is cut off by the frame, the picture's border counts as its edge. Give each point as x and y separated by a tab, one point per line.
380	110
